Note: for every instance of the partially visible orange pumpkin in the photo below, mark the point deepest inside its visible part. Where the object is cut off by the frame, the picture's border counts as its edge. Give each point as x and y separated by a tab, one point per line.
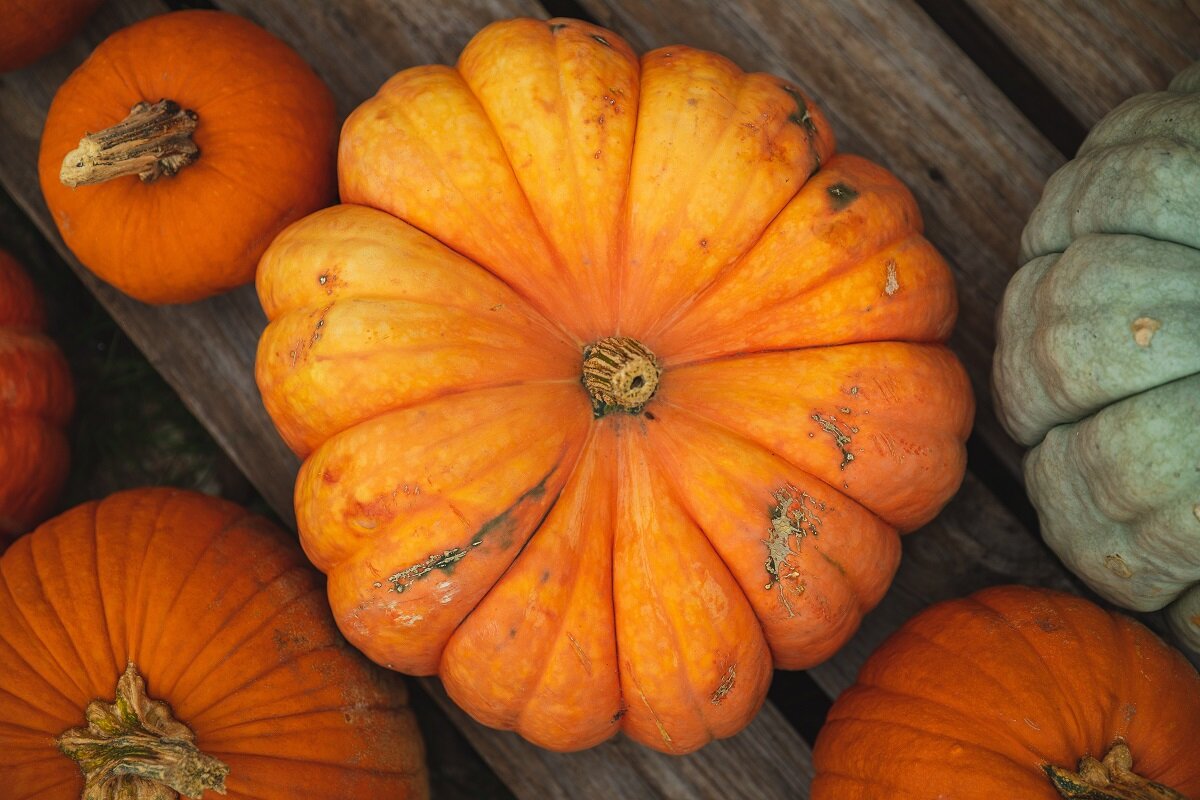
30	29
36	400
210	631
614	382
207	135
1015	693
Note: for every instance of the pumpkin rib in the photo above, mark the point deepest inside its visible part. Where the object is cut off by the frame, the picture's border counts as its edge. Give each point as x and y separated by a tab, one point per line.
861	606
60	612
281	608
34	634
820	280
481	214
999	732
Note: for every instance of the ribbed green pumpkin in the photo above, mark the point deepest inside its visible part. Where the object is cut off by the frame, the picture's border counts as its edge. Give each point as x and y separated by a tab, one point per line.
1098	356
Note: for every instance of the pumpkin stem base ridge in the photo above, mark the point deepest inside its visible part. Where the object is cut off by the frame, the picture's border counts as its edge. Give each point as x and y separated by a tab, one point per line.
1110	779
620	374
154	140
134	749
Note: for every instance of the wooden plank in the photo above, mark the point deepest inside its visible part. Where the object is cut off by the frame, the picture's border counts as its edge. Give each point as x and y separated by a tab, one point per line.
898	91
1094	55
206	351
209	342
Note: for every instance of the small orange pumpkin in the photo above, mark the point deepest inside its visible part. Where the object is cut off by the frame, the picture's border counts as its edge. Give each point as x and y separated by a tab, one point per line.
205	136
36	400
211	634
614	384
34	28
1015	692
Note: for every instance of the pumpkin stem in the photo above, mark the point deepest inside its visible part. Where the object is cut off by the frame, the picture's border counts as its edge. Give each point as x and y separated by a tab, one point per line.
1110	779
154	140
133	749
620	374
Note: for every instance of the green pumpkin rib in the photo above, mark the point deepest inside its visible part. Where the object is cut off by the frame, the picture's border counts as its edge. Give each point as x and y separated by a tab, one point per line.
1113	316
1117	494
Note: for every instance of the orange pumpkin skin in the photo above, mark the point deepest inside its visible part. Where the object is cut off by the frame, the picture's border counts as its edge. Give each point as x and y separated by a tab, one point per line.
568	575
228	626
36	401
266	132
33	28
971	699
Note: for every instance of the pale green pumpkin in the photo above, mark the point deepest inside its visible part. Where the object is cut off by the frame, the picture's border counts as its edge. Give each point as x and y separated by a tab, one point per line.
1098	356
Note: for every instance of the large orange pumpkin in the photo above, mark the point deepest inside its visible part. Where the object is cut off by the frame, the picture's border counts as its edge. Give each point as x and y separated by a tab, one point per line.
33	28
167	639
1015	692
205	136
36	400
613	381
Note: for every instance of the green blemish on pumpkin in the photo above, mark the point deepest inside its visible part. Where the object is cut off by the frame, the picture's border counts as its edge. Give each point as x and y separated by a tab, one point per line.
842	195
447	560
800	116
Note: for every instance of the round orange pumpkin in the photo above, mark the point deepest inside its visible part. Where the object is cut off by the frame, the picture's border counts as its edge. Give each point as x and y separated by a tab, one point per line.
1015	692
165	639
205	136
614	384
36	400
33	28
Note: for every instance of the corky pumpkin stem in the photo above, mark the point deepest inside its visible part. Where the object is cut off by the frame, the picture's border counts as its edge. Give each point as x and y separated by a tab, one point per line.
620	374
1110	779
154	140
133	749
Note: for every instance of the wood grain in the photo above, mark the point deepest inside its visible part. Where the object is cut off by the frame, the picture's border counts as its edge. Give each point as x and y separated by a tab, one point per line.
1094	55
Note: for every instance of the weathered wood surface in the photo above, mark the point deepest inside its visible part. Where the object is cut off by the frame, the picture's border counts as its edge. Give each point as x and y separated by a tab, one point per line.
925	111
1093	55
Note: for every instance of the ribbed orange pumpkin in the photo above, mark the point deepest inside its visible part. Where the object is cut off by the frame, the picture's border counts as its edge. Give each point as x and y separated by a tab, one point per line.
212	611
1015	692
207	135
33	28
36	400
614	384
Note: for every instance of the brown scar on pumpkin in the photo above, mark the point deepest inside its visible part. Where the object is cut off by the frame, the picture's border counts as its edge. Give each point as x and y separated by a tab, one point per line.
1117	566
840	437
891	283
1144	329
446	560
793	516
725	686
583	657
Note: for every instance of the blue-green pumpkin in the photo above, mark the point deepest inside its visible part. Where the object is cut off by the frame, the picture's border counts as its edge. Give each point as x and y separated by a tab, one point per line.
1098	356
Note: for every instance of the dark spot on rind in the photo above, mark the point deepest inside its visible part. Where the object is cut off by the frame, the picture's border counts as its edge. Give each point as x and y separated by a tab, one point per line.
801	116
842	195
512	633
545	575
601	40
649	415
555	27
936	175
617	716
446	560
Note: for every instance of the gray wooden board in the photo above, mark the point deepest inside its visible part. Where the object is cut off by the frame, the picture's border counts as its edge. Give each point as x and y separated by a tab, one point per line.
206	349
1094	54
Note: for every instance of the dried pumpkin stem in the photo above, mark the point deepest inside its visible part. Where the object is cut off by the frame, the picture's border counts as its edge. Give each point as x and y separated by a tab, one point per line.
620	374
154	140
134	749
1110	779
